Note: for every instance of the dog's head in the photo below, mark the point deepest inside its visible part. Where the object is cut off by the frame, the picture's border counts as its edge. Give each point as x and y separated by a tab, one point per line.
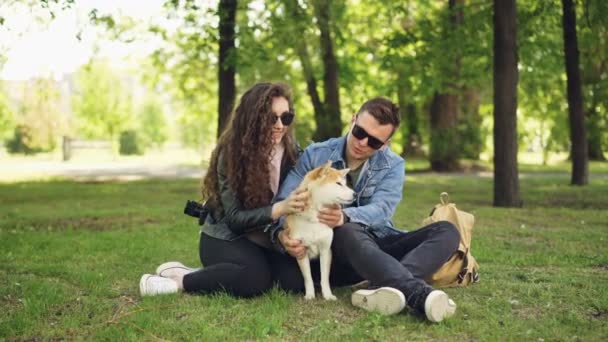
327	185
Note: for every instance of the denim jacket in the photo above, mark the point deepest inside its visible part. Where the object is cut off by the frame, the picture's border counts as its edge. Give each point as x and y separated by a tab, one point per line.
378	190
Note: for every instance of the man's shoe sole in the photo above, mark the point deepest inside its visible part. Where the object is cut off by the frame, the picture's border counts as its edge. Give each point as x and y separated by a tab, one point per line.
143	291
385	300
438	306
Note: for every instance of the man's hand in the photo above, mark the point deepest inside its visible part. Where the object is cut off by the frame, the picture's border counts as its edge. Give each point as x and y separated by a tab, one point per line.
331	216
294	247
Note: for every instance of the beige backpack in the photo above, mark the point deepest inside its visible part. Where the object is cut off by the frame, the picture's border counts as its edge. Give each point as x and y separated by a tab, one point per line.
461	269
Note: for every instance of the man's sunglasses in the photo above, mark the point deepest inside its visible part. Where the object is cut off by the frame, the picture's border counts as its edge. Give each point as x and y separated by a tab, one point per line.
361	134
286	118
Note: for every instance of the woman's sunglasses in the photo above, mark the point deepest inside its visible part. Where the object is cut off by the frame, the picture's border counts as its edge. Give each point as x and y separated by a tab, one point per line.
286	118
361	134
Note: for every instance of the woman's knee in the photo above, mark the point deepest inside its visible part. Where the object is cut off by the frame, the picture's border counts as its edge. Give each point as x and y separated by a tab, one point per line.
290	282
253	281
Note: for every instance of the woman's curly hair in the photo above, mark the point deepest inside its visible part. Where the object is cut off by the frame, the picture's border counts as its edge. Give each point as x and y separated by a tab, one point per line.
246	146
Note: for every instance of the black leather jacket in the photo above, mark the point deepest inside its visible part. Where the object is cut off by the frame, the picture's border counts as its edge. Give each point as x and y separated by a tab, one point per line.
234	221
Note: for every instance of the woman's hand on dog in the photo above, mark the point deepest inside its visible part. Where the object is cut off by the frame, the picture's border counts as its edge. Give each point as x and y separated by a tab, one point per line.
294	247
331	216
295	203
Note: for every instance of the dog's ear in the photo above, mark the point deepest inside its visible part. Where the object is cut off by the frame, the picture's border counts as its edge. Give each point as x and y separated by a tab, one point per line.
344	172
325	168
317	173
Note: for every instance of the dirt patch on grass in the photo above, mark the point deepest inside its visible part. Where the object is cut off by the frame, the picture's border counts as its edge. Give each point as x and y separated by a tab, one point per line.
573	203
96	223
11	302
598	313
123	308
528	313
309	316
601	267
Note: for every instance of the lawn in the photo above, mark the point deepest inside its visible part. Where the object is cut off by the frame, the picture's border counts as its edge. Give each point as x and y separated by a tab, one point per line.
72	253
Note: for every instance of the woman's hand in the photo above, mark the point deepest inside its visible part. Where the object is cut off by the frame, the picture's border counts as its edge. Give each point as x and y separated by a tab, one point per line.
294	247
295	203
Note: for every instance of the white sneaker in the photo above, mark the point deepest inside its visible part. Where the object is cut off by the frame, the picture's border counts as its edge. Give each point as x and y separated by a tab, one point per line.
385	300
151	285
172	269
438	306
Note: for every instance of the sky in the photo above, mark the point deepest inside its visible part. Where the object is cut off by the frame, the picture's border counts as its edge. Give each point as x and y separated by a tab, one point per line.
34	48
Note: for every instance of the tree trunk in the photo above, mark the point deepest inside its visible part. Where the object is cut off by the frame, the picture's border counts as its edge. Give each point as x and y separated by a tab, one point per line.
412	140
578	129
595	135
311	82
304	56
329	125
469	127
444	108
227	62
444	134
506	178
594	125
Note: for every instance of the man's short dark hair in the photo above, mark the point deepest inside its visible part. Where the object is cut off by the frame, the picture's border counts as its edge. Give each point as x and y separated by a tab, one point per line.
383	110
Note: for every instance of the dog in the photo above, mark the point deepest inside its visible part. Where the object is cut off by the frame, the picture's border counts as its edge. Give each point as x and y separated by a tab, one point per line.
326	186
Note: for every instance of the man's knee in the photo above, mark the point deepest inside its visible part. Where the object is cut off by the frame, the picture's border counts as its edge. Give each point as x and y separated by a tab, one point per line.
349	230
349	237
450	235
348	233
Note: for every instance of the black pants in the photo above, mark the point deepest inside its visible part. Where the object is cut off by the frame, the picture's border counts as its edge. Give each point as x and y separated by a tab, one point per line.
401	261
240	267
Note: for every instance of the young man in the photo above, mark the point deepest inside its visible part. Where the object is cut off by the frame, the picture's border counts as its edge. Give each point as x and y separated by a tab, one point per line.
365	245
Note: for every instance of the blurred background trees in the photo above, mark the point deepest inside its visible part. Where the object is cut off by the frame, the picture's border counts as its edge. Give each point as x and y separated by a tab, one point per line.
435	58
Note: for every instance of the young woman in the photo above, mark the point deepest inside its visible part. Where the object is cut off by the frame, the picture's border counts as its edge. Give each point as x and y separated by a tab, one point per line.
252	156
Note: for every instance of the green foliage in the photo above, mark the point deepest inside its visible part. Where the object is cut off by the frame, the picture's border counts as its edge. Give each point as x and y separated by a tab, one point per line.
7	117
444	151
102	102
39	109
471	138
542	86
381	47
593	45
129	143
22	141
153	125
184	67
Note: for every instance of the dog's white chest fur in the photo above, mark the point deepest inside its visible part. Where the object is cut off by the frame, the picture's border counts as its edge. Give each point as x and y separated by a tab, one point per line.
314	235
326	186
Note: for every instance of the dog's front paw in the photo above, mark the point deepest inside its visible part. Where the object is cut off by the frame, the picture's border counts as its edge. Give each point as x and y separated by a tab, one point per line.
329	297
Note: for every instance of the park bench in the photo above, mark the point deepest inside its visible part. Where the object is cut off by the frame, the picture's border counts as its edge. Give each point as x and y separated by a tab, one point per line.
70	145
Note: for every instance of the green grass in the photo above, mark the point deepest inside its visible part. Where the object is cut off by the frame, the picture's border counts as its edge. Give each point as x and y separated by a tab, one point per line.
529	164
71	255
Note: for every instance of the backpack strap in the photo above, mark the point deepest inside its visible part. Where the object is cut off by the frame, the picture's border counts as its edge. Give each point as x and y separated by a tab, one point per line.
465	267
